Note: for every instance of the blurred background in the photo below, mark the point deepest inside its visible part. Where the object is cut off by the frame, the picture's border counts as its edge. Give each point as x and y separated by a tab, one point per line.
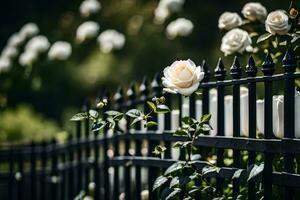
40	105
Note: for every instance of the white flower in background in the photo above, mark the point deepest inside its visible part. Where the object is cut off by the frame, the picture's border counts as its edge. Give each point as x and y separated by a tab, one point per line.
110	39
5	64
229	20
16	40
86	31
29	30
254	11
89	7
60	51
236	40
171	5
160	15
9	52
278	23
182	77
180	27
28	58
38	44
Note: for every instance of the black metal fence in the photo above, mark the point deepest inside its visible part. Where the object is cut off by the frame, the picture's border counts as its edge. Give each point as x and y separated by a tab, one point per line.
124	164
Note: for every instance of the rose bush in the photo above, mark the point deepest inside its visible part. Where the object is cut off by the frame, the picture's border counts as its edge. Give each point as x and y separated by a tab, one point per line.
182	77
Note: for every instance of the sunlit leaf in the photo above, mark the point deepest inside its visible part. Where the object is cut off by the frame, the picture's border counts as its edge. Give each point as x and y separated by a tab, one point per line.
79	116
150	123
162	109
151	105
159	182
255	171
263	37
134	113
173	168
112	112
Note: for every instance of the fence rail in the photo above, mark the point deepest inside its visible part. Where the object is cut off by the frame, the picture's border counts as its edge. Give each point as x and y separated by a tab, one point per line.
120	163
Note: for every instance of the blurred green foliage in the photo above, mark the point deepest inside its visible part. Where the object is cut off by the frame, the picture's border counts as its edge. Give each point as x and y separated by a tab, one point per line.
24	125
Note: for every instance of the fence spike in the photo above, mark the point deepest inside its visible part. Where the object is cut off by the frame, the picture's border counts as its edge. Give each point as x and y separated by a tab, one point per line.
144	88
235	70
251	69
118	97
289	60
206	70
155	84
268	65
220	71
131	93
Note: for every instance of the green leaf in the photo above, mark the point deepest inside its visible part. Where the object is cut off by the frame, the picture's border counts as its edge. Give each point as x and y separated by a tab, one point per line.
149	124
196	157
255	171
93	113
136	120
170	193
159	150
99	125
79	116
162	109
134	113
151	105
173	168
159	182
174	181
263	37
205	118
208	170
112	112
111	122
181	132
178	144
194	190
118	117
237	174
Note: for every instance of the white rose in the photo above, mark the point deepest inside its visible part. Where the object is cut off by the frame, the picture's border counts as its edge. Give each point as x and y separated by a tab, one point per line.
254	11
60	51
172	5
86	31
278	23
182	77
39	44
16	40
5	64
89	7
10	52
161	14
29	30
180	27
110	39
229	20
28	58
236	40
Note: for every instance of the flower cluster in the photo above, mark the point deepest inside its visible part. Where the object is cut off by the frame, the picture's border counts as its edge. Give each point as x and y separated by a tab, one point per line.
280	29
